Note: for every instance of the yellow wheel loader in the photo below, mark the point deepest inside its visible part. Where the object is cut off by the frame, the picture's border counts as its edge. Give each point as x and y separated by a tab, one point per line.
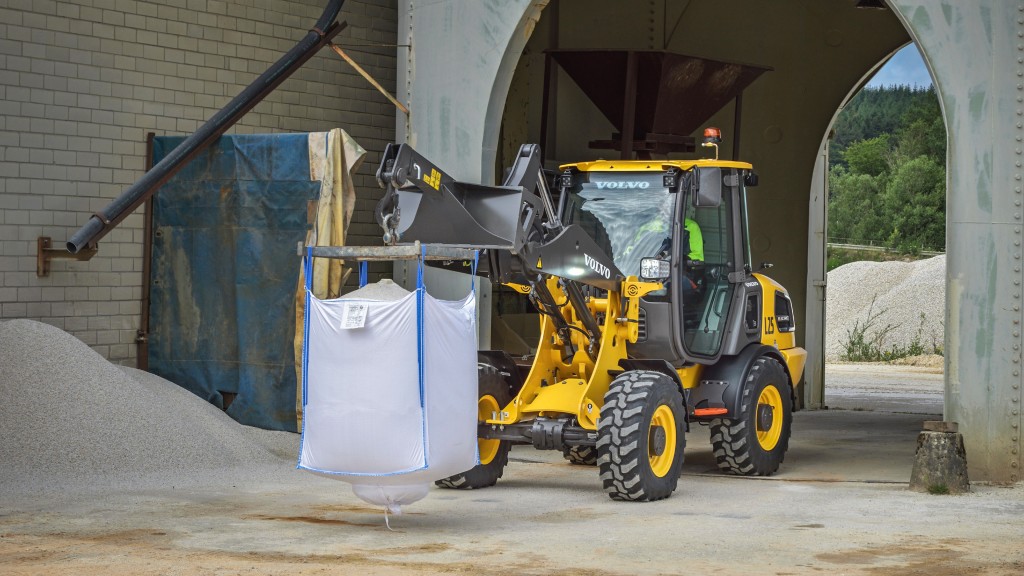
641	335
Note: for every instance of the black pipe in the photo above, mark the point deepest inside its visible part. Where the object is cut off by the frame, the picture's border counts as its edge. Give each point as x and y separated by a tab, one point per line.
104	221
142	336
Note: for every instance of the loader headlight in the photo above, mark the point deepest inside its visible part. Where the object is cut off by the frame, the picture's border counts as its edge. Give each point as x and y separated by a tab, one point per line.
575	271
565	180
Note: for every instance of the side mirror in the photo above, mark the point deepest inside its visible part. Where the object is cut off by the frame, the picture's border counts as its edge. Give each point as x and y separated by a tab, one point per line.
750	179
708	187
653	269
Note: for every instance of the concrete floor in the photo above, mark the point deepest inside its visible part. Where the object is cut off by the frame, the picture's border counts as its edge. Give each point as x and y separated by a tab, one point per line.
884	388
838	505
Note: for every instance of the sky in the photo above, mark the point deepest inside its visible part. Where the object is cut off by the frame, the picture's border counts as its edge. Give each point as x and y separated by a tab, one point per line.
905	68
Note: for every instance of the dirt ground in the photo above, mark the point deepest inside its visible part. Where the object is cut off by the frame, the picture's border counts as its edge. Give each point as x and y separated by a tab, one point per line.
551	520
832	509
839	506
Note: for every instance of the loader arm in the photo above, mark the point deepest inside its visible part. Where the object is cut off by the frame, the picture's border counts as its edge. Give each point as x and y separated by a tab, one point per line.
515	222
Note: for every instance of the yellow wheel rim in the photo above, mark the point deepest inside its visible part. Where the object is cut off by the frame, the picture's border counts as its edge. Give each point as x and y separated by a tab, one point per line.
769	417
661	463
485	410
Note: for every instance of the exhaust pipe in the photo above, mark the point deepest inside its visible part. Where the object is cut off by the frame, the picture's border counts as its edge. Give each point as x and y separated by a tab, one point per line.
102	222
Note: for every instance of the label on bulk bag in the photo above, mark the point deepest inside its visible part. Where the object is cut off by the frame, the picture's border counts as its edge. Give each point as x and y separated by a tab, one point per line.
353	315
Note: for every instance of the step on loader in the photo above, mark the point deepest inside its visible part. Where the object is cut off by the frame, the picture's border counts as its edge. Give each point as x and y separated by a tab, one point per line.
652	316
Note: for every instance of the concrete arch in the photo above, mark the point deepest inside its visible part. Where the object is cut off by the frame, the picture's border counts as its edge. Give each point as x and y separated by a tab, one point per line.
817	238
454	65
457	76
499	91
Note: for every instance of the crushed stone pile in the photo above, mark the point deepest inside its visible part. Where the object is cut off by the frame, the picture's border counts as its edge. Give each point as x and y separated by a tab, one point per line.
908	296
69	419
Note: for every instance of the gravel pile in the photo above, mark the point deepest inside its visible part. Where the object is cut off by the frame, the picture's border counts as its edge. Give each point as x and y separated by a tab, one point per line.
71	420
895	294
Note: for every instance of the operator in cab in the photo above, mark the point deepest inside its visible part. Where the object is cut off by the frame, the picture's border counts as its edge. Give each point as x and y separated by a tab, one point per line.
694	243
693	249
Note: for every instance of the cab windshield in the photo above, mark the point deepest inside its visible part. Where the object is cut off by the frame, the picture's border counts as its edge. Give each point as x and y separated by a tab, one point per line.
628	214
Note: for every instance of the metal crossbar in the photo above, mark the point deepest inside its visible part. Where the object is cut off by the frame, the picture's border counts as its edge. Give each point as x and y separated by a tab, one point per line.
412	251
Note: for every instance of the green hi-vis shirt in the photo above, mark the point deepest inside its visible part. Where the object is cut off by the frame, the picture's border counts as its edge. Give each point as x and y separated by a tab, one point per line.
696	240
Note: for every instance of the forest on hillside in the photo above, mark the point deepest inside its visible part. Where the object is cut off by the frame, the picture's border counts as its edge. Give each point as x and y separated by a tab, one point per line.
887	171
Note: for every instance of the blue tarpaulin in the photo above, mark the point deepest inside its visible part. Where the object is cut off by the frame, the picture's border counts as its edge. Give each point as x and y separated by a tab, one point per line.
225	271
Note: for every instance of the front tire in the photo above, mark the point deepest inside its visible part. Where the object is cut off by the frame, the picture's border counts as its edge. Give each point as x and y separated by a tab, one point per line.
641	437
755	443
494	395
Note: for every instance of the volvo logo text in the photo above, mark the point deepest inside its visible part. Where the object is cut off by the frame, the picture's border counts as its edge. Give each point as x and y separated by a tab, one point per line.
624	185
597	266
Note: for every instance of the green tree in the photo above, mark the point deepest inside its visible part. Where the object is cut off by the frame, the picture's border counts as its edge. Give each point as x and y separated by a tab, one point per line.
876	111
922	133
869	157
887	170
856	211
915	198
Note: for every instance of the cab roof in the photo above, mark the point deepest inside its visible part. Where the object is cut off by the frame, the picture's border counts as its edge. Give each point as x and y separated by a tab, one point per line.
652	165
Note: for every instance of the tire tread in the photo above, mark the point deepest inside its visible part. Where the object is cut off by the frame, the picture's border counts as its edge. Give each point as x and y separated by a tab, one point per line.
733	440
622	458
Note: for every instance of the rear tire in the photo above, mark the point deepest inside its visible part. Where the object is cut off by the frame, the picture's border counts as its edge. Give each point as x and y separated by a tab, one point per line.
641	437
755	443
581	455
494	395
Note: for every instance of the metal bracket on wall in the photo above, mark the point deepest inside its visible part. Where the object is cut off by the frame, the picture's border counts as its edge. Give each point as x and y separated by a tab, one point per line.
44	253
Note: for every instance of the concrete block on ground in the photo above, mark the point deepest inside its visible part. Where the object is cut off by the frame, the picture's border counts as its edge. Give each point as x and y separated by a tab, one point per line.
940	463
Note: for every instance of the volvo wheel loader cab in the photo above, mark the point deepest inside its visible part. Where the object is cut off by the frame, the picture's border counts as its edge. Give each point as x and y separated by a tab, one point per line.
642	331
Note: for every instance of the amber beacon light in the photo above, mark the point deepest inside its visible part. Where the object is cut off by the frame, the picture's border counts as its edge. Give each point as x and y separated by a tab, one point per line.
712	138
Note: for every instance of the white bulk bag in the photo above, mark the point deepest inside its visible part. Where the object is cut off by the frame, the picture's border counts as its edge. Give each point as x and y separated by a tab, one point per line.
390	393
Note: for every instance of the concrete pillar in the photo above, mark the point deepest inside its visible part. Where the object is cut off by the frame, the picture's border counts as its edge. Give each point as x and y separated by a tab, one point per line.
454	69
463	53
975	51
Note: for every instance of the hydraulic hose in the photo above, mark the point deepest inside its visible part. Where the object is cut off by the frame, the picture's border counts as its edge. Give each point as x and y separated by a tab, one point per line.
102	222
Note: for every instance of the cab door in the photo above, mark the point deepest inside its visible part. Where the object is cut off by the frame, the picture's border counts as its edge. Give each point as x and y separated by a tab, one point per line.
705	321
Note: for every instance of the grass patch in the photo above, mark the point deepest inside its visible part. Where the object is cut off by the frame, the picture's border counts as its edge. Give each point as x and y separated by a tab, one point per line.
938	489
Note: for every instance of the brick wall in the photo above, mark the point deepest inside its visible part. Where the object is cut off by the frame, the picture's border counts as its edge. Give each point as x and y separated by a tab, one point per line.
81	84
